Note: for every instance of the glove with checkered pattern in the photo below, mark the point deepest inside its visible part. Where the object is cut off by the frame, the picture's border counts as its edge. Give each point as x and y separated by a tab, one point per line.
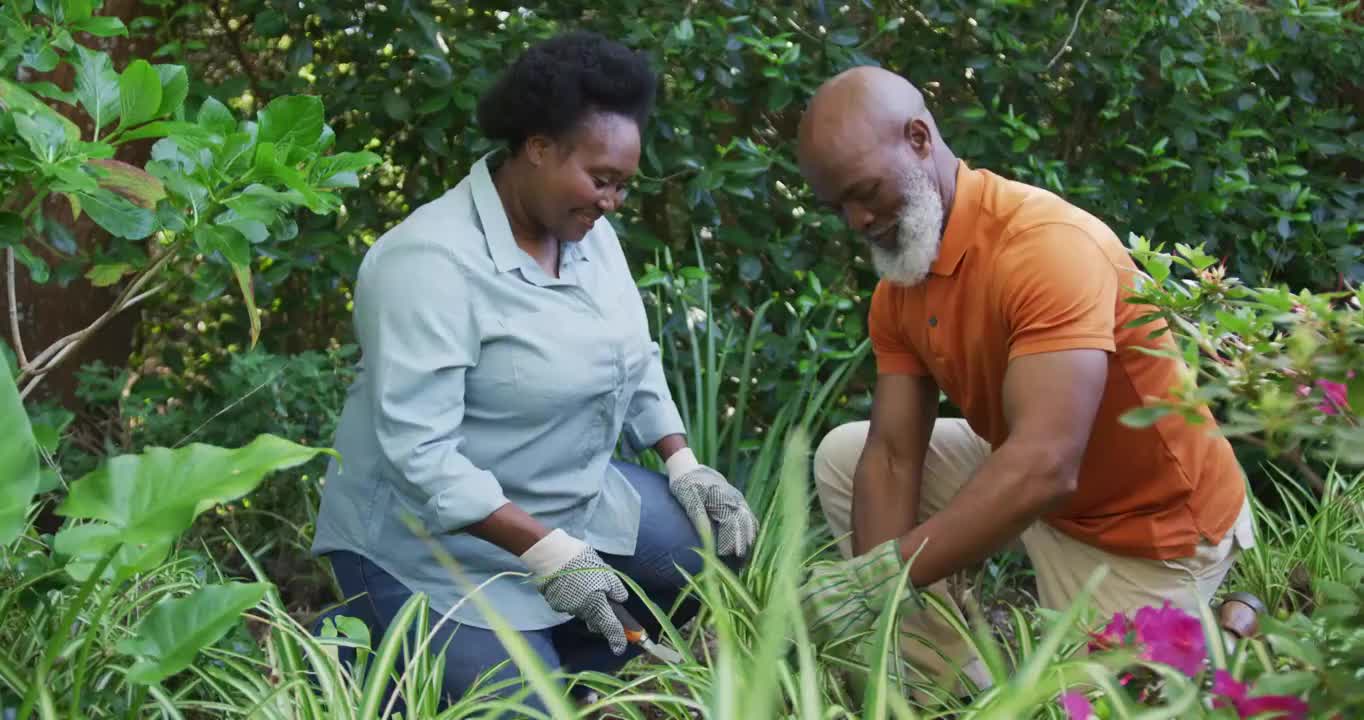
574	579
707	497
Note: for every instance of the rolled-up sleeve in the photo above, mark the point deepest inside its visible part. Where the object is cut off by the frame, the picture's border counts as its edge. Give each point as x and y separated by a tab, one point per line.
417	326
652	414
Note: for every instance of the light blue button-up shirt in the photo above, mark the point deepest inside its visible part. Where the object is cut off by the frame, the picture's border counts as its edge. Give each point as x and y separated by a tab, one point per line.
484	380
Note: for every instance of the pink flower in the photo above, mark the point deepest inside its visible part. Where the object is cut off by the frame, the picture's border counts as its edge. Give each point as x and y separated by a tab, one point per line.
1304	390
1171	637
1077	706
1113	635
1335	397
1236	695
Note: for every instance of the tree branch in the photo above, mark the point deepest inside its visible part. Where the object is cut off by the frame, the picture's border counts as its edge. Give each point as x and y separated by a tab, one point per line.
14	308
1071	36
33	373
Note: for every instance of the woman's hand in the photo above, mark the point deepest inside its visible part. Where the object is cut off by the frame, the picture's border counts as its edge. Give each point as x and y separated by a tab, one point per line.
574	579
707	497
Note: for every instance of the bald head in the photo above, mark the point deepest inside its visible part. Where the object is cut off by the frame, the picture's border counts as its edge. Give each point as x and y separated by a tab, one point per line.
856	112
869	97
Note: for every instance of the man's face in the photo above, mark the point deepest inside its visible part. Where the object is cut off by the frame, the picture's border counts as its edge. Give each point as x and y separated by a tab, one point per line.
903	250
889	197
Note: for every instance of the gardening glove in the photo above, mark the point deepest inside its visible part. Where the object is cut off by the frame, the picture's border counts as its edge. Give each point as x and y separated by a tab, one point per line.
573	579
708	498
843	599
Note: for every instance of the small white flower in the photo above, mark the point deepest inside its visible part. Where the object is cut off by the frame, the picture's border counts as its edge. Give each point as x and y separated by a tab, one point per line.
695	316
843	9
822	30
970	73
502	15
798	212
705	233
971	21
734	71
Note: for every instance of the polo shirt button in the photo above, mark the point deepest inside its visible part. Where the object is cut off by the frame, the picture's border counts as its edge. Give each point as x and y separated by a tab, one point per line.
933	321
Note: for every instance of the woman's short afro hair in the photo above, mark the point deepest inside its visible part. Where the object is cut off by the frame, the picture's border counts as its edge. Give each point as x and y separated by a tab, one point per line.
556	83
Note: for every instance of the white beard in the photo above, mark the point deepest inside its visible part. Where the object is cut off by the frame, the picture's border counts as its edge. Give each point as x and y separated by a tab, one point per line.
918	236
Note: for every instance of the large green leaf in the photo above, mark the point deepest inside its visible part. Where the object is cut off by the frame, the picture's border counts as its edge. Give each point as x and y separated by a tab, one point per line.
97	86
236	249
262	203
176	630
141	503
270	165
102	26
17	100
130	182
43	134
174	88
18	458
215	117
117	215
75	11
139	93
295	120
330	166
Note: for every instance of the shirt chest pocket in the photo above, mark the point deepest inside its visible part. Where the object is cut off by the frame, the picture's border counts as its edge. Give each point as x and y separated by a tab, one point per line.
546	362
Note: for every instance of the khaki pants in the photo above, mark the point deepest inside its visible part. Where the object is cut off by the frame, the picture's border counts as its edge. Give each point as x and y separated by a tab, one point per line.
1062	564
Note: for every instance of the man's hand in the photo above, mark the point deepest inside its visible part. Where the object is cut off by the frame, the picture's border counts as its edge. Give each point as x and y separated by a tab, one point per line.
708	498
574	579
843	599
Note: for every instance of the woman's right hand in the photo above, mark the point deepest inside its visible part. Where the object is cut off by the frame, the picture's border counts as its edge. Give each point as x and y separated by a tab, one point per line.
574	579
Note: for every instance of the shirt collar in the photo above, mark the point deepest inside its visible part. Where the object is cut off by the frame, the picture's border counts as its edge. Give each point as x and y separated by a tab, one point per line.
506	254
961	220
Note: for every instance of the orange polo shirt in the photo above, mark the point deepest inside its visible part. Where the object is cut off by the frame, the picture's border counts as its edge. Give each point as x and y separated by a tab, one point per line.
1022	271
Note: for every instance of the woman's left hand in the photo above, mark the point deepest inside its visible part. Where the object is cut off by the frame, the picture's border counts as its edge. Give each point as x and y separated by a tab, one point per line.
708	498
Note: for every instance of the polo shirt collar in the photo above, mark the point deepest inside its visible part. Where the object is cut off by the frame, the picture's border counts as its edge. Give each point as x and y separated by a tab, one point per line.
961	220
506	254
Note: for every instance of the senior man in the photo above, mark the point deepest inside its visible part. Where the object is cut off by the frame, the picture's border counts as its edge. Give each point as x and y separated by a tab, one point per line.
1012	302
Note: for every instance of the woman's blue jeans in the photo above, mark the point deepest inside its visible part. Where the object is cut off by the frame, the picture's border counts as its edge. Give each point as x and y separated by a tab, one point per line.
666	542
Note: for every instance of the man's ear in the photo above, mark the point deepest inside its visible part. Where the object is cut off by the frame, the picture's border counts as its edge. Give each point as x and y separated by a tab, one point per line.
920	137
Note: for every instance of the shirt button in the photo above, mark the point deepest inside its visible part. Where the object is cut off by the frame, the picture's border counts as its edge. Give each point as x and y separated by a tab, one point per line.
932	320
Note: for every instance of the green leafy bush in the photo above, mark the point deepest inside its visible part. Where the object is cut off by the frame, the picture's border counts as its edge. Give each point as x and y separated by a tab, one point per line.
217	192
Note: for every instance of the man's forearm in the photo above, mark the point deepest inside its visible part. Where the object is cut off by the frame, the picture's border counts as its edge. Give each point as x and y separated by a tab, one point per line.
995	506
885	502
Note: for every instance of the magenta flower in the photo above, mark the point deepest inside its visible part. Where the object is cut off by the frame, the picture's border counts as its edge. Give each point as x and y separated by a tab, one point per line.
1171	637
1077	706
1113	635
1335	397
1236	695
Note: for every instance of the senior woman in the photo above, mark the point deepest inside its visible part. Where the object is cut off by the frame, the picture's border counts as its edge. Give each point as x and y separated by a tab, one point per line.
505	352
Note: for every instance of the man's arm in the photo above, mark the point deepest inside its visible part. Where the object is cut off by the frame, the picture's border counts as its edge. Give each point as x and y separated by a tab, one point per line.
1050	400
885	502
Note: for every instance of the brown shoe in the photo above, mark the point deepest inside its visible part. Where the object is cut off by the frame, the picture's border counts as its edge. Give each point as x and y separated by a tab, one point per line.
1239	614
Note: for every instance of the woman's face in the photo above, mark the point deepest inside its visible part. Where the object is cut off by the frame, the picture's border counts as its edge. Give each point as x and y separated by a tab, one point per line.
584	175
